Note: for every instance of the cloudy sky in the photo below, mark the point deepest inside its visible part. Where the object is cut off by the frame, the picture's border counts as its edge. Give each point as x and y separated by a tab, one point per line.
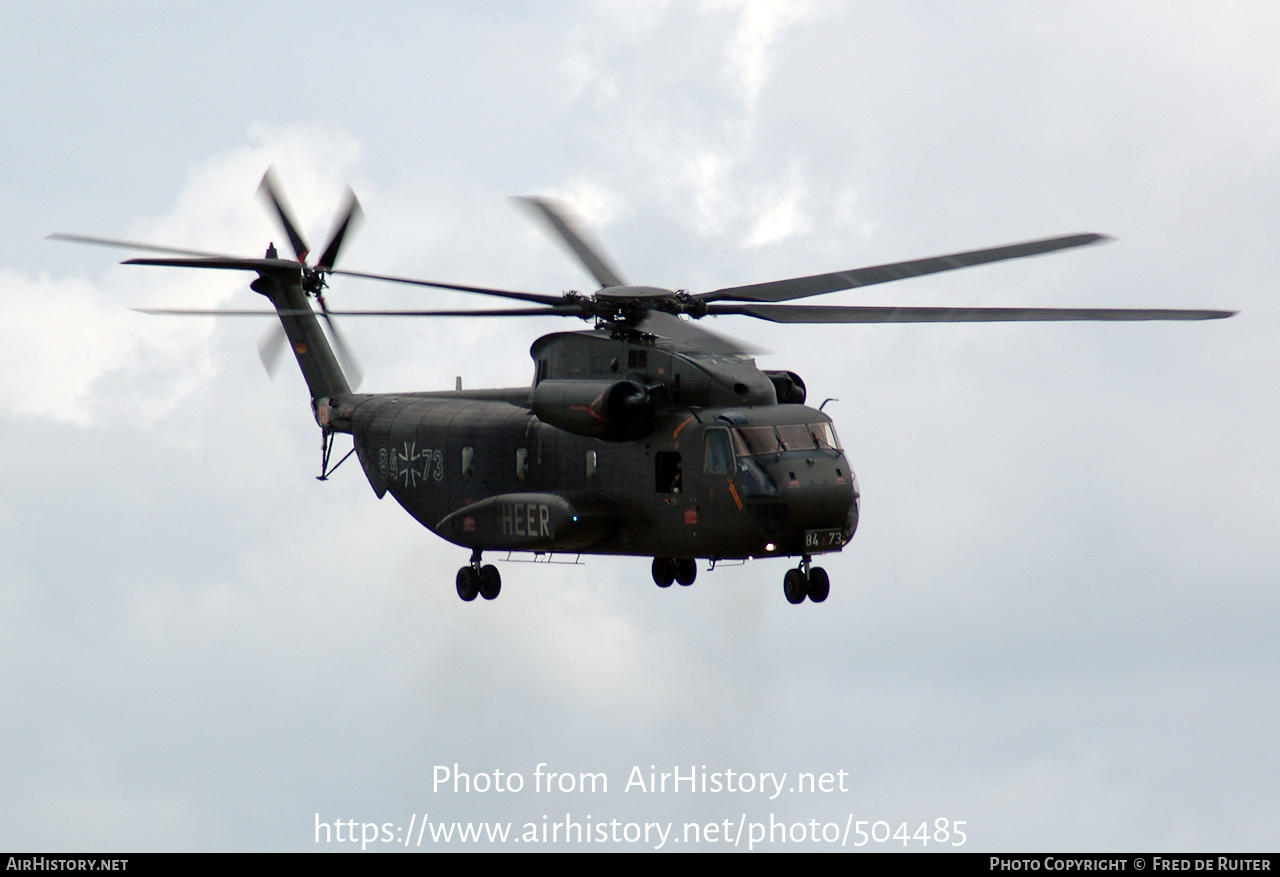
1056	623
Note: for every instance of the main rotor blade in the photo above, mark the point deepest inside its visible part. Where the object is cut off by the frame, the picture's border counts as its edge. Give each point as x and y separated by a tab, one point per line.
270	191
818	284
556	311
133	245
670	326
350	218
855	314
230	263
556	215
477	290
559	311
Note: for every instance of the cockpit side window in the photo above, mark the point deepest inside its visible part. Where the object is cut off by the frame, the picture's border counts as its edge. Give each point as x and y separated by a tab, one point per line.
719	457
825	435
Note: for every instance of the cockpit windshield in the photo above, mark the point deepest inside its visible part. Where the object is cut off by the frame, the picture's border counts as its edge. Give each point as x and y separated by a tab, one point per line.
755	440
752	441
796	438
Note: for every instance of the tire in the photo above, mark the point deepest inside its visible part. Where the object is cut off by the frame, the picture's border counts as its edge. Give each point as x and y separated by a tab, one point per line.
795	586
686	571
468	584
664	571
490	582
819	584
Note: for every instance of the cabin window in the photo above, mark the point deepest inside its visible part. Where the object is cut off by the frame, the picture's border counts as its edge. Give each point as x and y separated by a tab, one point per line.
719	455
468	461
522	463
667	471
591	465
638	359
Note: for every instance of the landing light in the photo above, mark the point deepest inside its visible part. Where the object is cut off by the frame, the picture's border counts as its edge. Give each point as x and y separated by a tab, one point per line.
769	546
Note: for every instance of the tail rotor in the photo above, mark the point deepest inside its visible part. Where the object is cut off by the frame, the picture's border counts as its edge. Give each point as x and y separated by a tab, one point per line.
314	277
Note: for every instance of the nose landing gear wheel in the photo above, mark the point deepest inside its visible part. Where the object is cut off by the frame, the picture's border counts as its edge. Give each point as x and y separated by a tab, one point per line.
806	581
795	586
819	584
664	571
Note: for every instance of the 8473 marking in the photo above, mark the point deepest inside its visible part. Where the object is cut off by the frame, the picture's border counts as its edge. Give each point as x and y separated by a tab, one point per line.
409	465
824	540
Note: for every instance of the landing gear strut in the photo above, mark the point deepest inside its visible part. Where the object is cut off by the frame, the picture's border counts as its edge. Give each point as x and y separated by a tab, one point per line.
806	581
476	580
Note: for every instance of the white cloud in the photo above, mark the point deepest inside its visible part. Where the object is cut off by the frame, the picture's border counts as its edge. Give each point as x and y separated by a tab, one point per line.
780	214
759	26
57	339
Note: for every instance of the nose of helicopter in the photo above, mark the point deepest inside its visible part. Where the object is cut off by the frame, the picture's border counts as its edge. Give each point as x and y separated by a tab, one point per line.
821	495
851	519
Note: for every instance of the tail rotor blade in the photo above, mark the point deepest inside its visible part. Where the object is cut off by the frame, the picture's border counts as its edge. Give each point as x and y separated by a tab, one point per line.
270	191
342	350
351	217
270	348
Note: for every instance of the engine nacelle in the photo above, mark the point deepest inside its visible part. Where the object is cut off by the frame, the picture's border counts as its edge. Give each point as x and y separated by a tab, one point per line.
616	411
789	386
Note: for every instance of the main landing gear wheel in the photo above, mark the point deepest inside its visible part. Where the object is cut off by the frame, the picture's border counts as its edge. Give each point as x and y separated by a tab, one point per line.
664	571
468	584
686	571
490	582
475	580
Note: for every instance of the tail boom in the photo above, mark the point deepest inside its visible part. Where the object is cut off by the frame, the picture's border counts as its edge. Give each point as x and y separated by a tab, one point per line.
320	368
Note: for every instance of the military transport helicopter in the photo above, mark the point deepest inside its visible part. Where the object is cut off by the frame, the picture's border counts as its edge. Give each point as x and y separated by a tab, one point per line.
647	435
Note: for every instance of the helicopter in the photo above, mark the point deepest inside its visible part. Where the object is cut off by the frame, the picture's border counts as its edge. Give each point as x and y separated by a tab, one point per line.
646	435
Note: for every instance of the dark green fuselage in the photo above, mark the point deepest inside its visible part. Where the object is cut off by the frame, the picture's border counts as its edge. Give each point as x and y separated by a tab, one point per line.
481	469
